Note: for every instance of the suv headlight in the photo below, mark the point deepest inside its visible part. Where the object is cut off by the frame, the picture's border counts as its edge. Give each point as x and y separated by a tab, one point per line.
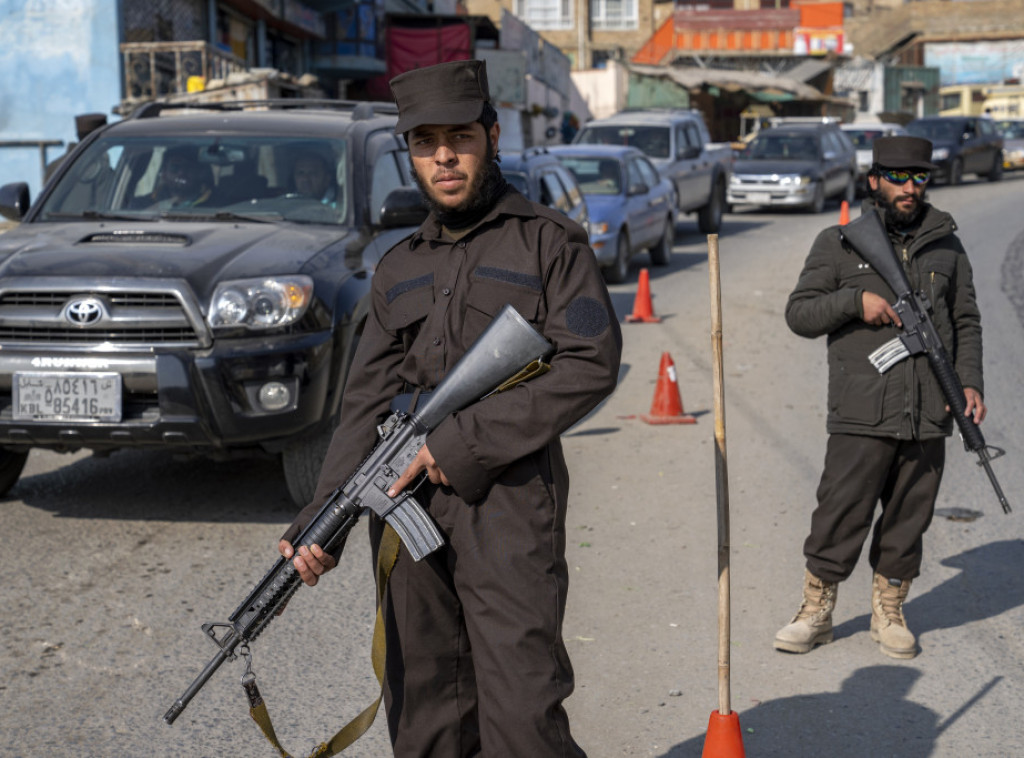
940	153
260	303
794	179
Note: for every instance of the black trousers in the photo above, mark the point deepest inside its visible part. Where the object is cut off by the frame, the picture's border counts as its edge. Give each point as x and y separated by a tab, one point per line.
861	472
476	664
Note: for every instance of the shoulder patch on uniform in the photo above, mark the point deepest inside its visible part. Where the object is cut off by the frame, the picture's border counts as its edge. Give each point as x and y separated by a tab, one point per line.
408	285
586	317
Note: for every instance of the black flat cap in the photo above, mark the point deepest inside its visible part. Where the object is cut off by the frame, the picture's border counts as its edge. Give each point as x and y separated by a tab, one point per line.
903	152
447	93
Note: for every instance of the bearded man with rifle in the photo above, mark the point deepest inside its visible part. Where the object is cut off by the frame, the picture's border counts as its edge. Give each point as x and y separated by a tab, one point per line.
888	416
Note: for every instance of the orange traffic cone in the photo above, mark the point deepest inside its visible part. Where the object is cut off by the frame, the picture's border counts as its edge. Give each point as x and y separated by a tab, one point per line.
844	214
642	309
667	407
724	739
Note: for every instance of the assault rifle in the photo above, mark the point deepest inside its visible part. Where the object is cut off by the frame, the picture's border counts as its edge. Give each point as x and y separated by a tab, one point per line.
509	351
869	239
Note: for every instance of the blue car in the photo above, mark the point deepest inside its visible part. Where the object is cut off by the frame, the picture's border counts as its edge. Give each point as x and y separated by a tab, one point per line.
631	207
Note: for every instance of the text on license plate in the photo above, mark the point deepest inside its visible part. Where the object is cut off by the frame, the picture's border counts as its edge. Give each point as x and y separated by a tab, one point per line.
761	198
66	396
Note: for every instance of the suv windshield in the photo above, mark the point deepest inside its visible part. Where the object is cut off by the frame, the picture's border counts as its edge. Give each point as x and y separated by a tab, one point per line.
206	177
935	130
783	147
652	140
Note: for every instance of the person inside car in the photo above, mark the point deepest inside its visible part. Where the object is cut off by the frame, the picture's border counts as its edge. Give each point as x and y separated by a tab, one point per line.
183	182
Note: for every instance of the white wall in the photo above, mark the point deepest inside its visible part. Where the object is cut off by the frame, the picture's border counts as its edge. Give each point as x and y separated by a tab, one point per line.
603	90
60	58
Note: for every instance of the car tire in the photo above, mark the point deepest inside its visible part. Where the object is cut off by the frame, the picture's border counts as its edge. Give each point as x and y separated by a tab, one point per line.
301	462
996	172
709	217
12	462
619	270
850	193
662	252
956	172
817	204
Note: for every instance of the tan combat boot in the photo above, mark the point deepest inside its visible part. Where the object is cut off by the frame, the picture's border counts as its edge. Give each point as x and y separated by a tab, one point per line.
812	625
888	627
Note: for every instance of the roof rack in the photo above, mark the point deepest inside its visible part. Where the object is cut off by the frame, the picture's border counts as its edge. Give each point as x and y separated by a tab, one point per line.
360	109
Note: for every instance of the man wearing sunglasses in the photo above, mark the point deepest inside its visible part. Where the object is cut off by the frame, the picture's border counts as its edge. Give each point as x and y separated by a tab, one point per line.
887	432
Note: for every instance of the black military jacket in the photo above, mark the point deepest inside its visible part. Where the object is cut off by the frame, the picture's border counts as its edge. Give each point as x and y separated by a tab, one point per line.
906	402
433	296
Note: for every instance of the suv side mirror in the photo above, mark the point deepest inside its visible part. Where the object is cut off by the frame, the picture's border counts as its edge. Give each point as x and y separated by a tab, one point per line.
638	188
403	207
690	151
14	200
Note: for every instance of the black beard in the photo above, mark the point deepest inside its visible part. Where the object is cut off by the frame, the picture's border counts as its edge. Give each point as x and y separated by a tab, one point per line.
900	219
483	194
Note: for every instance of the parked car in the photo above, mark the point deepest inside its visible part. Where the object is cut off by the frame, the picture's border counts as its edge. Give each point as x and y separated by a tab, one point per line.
863	137
541	177
1013	143
678	144
631	207
220	325
961	145
797	165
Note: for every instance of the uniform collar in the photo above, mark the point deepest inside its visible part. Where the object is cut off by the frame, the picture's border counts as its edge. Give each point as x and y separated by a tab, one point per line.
510	203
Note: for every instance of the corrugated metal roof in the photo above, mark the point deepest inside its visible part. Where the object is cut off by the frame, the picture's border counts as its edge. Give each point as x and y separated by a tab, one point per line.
755	81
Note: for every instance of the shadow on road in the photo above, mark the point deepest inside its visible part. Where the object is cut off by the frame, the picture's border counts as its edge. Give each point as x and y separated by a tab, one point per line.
150	485
871	715
982	590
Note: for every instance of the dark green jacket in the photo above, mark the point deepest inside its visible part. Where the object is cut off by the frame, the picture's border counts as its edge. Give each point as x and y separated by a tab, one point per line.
907	401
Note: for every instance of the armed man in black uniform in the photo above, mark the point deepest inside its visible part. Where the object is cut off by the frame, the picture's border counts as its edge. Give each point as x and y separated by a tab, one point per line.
476	664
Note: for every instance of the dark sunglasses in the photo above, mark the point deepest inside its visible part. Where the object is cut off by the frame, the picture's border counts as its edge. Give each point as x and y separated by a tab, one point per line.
900	177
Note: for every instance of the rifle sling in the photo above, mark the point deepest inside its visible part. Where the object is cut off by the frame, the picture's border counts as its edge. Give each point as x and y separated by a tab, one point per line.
387	555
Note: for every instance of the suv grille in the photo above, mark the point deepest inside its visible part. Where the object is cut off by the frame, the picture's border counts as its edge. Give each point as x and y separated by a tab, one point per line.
128	318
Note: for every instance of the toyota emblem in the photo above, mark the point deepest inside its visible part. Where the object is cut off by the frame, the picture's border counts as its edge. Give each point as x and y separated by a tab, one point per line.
83	311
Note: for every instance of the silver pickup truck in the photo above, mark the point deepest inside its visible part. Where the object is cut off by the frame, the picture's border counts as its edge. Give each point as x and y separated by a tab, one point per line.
678	144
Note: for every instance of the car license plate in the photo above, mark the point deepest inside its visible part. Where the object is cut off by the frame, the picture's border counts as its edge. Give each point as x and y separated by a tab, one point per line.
66	396
759	198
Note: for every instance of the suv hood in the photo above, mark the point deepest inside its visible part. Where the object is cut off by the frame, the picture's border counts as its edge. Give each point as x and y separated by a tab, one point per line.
749	166
203	253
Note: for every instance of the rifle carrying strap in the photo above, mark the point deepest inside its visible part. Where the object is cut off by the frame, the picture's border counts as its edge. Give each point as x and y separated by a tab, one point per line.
387	555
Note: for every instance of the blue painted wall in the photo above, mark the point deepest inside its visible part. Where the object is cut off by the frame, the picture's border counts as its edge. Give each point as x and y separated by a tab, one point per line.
60	58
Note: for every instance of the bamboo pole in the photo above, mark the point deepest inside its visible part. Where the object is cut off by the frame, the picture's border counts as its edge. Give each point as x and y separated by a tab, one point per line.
721	478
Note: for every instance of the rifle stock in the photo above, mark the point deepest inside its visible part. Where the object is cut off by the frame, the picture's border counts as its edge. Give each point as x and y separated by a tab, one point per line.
500	354
868	238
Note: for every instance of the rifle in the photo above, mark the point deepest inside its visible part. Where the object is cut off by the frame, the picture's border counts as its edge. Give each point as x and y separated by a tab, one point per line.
510	350
869	239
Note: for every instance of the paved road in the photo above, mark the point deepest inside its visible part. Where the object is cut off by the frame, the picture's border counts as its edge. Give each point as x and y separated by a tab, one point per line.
112	564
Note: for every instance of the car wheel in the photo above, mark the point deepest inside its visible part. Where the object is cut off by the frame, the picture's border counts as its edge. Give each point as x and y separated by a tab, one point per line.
956	172
662	252
709	218
11	464
996	173
619	270
818	201
850	193
301	462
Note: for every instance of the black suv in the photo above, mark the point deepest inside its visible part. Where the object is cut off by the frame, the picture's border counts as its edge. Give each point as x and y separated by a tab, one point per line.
196	279
542	178
962	145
